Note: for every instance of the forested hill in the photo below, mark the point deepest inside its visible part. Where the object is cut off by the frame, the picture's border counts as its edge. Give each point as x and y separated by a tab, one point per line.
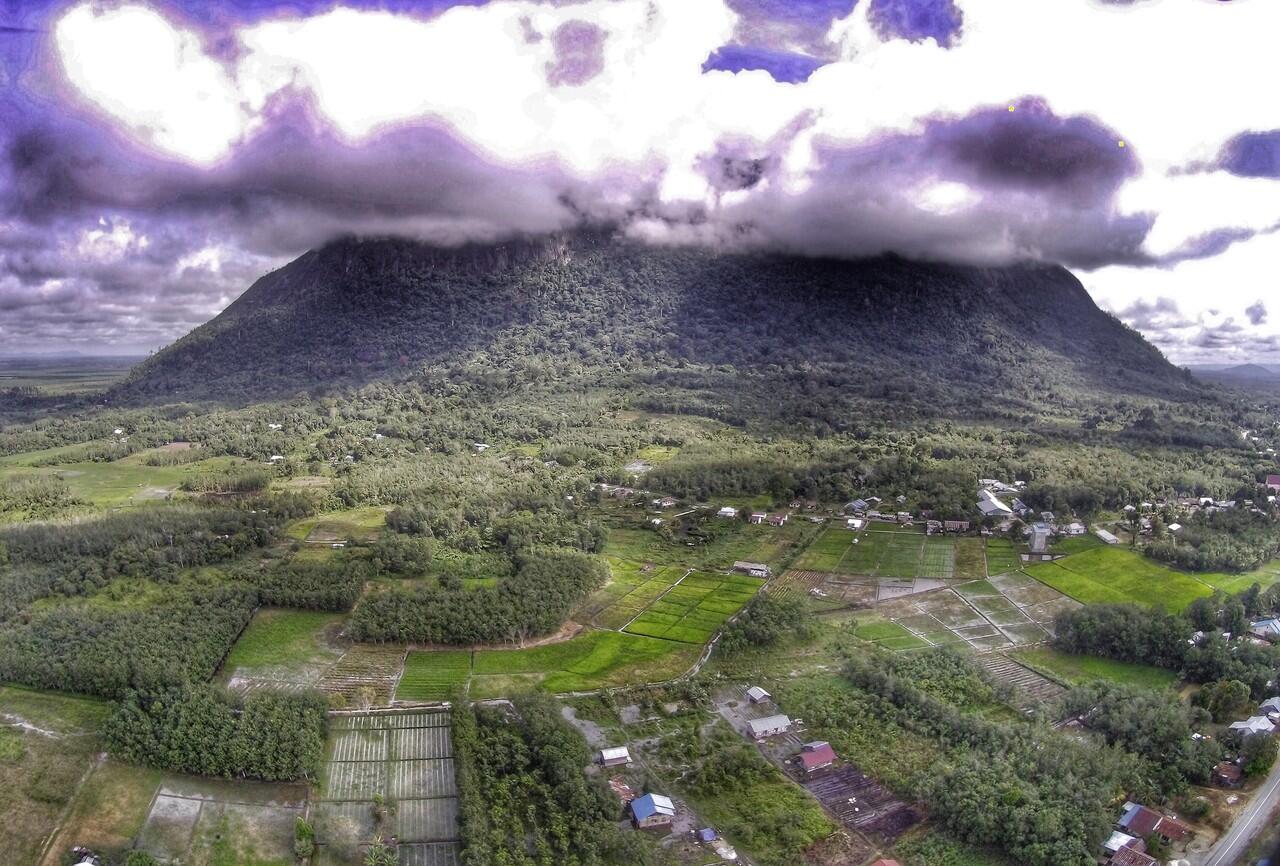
592	310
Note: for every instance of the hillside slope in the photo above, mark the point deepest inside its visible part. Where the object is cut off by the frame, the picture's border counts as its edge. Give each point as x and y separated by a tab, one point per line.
587	311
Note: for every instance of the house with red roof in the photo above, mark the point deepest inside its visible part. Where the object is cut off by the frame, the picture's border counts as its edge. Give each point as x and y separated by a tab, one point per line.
816	756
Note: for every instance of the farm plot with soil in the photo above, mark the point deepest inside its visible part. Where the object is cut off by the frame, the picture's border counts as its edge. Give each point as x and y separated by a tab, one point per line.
403	758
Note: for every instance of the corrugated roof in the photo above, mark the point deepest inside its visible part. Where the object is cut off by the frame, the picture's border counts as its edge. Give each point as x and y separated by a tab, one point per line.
652	804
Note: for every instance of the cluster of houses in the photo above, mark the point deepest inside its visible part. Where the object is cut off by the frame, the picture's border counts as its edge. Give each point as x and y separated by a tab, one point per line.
1264	723
1137	823
869	509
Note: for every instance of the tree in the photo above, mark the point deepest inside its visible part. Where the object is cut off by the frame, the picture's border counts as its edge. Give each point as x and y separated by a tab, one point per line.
1225	699
1258	754
380	853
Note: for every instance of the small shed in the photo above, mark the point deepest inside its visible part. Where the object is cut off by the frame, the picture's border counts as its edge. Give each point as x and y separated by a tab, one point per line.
614	757
727	511
1228	774
755	569
757	695
758	517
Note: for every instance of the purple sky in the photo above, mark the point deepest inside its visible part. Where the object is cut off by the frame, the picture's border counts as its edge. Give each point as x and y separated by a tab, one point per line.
156	158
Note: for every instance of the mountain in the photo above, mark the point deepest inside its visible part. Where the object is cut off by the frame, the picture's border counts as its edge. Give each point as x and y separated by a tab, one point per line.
588	311
1246	376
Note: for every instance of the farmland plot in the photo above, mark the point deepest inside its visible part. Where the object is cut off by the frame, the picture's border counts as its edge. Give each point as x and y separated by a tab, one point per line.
405	758
694	609
365	671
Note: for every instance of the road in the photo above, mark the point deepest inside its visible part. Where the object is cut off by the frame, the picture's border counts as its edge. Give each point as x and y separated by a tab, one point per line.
1231	847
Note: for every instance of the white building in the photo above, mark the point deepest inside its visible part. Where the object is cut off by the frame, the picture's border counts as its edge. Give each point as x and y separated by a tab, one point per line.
770	726
727	511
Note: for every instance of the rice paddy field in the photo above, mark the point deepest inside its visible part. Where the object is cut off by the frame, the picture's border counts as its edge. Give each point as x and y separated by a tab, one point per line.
695	608
726	541
631	588
1002	556
1115	574
591	660
896	552
434	676
405	758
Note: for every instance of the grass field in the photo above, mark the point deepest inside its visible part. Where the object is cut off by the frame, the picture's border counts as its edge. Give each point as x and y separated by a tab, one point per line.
1083	669
1266	576
1114	574
694	609
109	810
592	660
47	743
127	481
971	558
284	639
886	550
434	676
356	524
889	635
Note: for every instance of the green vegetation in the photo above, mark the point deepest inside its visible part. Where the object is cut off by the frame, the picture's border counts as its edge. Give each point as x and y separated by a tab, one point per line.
356	524
47	743
434	676
1080	669
587	661
522	790
284	639
694	609
1002	558
889	635
1114	574
272	736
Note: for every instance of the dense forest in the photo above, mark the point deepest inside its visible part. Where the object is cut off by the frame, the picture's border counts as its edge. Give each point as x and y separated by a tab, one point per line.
524	798
585	308
272	736
546	586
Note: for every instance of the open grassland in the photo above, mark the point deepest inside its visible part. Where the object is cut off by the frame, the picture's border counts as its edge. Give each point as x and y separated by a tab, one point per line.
127	481
355	524
47	744
1076	669
889	635
694	609
1076	544
1265	576
1114	574
434	675
592	660
280	640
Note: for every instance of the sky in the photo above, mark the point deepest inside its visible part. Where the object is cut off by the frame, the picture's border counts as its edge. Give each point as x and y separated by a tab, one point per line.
156	158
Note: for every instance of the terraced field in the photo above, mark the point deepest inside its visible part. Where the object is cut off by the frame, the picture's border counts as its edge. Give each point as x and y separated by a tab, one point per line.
406	758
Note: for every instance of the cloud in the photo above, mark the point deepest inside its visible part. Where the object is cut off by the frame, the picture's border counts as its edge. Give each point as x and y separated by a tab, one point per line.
823	127
1257	313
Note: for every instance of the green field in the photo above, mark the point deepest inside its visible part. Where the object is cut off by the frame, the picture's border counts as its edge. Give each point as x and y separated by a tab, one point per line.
284	639
127	481
887	550
727	541
1117	575
47	743
693	610
889	635
1075	669
434	676
631	588
971	558
355	524
592	660
1002	557
1265	576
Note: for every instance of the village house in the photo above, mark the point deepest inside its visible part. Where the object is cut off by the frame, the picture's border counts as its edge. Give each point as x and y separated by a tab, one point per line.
991	506
932	526
1270	707
1227	774
666	502
757	695
614	757
1273	483
755	569
855	523
956	525
1138	820
770	726
1040	539
1133	856
1254	725
652	810
1120	840
779	519
727	511
1106	537
1267	629
757	517
858	506
816	756
480	446
1074	528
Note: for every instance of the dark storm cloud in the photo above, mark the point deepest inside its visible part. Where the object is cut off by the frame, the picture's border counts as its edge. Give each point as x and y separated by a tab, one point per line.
918	19
785	66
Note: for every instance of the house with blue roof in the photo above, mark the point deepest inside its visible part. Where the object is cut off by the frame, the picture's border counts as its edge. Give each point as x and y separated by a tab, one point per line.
652	810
